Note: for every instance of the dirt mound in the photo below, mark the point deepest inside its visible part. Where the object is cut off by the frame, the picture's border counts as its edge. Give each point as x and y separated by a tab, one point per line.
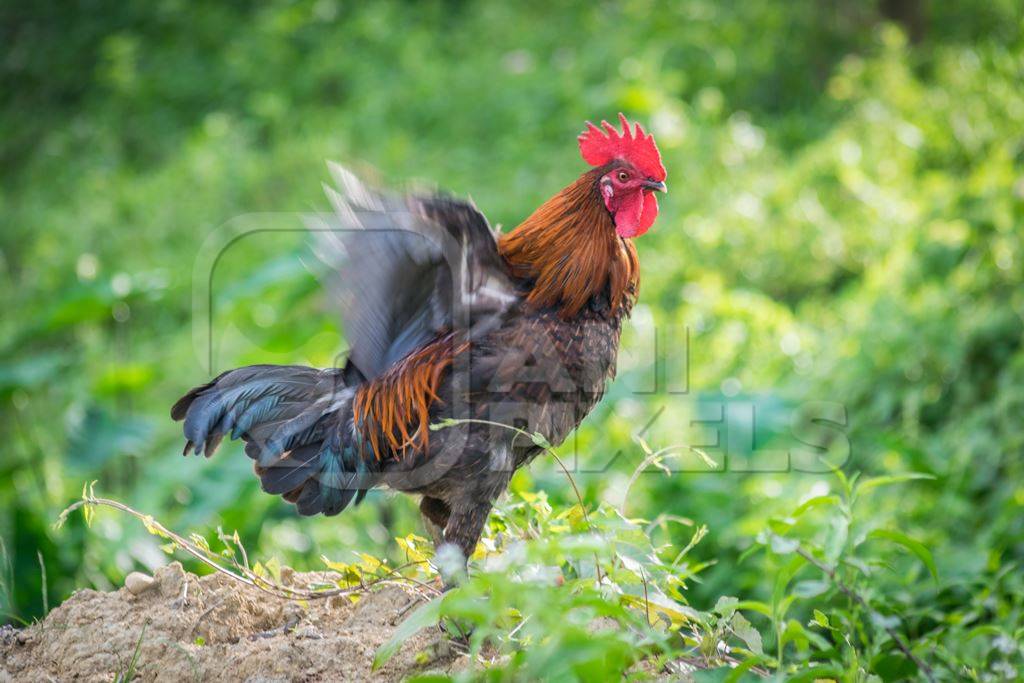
221	630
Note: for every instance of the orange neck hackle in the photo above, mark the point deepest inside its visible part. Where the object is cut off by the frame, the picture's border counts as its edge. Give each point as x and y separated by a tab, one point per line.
569	250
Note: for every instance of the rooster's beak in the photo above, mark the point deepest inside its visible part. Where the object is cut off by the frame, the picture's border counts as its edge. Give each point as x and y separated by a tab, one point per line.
655	185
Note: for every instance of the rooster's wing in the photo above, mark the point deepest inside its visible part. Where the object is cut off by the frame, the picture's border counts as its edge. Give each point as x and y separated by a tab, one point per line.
406	268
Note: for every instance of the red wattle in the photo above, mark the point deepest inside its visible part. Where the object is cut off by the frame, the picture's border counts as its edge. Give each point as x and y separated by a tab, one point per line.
650	212
636	214
628	214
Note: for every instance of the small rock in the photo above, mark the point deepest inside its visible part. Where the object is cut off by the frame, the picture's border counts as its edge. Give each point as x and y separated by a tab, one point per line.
138	583
171	579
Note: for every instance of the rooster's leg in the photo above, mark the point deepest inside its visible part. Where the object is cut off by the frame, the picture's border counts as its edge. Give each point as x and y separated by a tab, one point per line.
435	514
461	534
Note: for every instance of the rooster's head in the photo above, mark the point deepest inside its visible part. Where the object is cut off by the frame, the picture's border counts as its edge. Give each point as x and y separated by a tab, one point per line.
632	173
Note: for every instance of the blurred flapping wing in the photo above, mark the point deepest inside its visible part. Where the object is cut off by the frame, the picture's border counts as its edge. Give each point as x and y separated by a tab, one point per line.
406	268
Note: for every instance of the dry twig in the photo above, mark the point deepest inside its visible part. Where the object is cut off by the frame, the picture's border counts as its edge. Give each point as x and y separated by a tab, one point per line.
242	573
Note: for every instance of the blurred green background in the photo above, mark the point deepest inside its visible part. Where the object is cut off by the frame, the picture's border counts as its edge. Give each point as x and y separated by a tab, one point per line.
845	224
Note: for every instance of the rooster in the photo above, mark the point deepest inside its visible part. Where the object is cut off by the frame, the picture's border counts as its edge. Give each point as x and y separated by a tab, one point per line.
505	340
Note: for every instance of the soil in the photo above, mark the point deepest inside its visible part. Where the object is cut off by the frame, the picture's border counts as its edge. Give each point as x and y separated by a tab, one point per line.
222	630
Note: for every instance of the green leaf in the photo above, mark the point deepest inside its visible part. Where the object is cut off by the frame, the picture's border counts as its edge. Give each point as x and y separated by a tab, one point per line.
151	527
725	606
836	541
780	603
984	630
847	490
540	440
816	501
717	675
796	633
781	545
746	665
197	540
424	616
443	424
815	673
914	546
893	667
886	480
745	631
754	606
88	510
810	588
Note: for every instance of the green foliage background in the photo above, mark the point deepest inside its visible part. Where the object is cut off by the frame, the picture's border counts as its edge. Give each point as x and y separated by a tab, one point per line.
845	225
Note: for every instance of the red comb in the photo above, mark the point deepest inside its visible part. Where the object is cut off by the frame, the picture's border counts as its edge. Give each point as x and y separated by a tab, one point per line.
637	147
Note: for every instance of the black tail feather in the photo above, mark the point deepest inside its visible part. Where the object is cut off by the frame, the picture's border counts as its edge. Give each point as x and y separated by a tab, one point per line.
293	420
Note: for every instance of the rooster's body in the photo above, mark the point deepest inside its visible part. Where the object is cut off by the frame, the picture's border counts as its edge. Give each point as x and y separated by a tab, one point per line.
448	324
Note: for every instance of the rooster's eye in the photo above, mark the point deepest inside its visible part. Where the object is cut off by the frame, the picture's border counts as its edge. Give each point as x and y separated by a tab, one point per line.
623	176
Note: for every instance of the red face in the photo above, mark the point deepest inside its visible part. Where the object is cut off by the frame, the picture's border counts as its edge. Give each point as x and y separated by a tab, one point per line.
629	197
